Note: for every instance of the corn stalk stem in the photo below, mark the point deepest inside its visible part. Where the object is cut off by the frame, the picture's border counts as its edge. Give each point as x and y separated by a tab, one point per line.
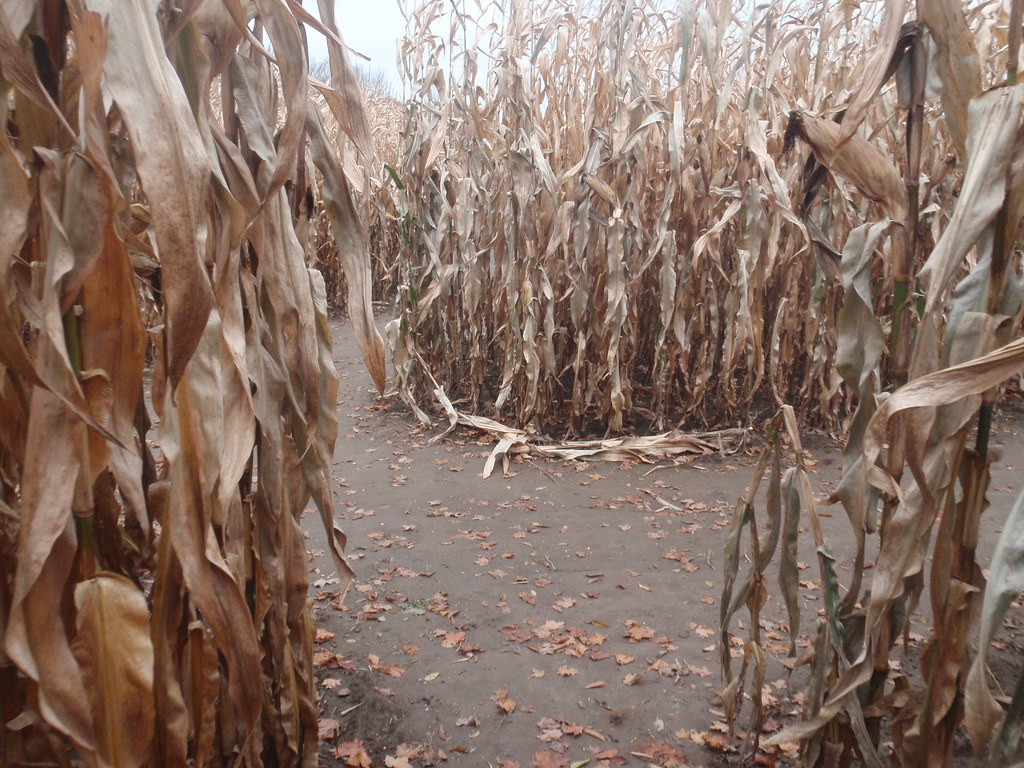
904	245
82	506
905	242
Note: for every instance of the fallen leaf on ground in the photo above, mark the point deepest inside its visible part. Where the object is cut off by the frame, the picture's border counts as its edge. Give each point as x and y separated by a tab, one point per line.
703	631
565	602
663	754
550	730
549	760
636	632
452	639
392	670
353	753
504	702
328	729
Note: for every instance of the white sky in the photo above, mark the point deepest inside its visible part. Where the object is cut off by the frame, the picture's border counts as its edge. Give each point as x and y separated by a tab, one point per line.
371	27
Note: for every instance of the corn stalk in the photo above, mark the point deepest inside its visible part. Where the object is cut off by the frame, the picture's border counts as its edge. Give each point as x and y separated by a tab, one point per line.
948	356
153	574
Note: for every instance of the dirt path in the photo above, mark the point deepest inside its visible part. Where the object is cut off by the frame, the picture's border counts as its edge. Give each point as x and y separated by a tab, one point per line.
565	614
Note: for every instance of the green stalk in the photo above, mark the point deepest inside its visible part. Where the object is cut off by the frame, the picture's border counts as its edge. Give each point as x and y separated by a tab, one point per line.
899	338
904	250
906	246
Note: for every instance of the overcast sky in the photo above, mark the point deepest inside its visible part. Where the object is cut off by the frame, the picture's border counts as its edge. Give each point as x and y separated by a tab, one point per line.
371	27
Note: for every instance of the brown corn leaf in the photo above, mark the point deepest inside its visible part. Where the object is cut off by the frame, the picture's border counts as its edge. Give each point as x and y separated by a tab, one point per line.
993	122
1005	584
899	554
343	96
113	647
873	75
957	63
174	171
351	249
859	162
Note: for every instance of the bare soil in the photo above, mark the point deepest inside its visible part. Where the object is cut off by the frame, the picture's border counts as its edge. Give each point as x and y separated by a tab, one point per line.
566	613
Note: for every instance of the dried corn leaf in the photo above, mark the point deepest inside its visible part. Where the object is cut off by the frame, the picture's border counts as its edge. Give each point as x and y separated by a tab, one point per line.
873	74
351	249
344	96
191	431
957	61
993	122
1005	584
861	343
113	647
647	448
174	172
857	161
15	202
221	669
46	551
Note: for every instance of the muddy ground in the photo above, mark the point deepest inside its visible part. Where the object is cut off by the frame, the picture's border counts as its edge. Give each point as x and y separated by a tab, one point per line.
563	614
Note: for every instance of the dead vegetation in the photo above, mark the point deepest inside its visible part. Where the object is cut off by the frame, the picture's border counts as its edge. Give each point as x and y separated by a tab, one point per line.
153	578
604	231
594	224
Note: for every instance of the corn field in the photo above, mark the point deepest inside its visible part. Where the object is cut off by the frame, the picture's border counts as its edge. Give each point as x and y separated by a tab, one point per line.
605	229
611	217
624	216
154	201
